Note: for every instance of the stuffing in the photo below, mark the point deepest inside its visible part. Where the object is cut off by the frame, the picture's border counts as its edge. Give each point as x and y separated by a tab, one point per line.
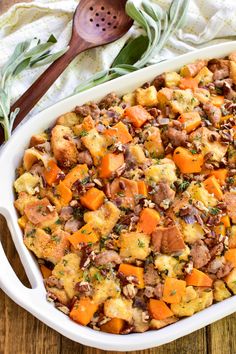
164	170
26	183
134	245
119	307
63	146
147	97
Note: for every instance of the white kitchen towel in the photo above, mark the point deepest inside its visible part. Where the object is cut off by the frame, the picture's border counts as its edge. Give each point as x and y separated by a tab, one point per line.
208	22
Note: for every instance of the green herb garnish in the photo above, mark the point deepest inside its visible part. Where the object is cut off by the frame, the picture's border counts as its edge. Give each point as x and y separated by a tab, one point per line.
193	151
48	230
214	211
83	133
183	185
158	26
28	54
141	244
97	276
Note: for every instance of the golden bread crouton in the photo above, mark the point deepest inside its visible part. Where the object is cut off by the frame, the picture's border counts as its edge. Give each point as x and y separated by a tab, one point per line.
220	291
26	183
118	308
49	246
69	273
63	146
134	245
103	219
68	119
147	96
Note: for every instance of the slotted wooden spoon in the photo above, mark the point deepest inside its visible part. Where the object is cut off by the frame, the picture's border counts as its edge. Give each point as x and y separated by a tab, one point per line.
95	23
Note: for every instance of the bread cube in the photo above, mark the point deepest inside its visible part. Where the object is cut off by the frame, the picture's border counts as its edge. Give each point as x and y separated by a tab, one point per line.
147	97
231	280
118	308
205	76
165	170
220	291
153	143
68	119
96	144
103	219
172	79
26	183
134	245
137	153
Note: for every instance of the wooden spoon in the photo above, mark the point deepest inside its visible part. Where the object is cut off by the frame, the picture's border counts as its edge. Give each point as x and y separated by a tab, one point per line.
95	23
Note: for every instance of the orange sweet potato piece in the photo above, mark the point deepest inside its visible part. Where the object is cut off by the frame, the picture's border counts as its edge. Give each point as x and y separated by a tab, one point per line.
46	272
128	269
173	291
198	278
186	161
148	220
159	310
115	326
213	187
92	199
51	172
188	83
217	101
84	235
64	194
220	175
83	311
110	163
190	120
225	220
230	255
137	115
142	188
79	172
225	118
220	229
119	132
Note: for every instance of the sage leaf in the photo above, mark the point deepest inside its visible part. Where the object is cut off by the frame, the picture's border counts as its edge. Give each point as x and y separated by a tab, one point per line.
26	54
132	51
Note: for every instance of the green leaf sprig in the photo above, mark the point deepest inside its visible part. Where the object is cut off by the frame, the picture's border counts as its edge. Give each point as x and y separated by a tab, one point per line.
158	26
28	54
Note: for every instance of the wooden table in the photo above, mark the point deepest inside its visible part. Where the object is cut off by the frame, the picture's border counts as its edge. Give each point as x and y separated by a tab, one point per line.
21	333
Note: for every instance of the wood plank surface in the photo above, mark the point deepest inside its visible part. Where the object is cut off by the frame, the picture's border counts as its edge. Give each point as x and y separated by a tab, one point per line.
21	333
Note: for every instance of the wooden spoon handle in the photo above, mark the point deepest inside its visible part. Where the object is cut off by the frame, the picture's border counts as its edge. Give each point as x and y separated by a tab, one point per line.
44	82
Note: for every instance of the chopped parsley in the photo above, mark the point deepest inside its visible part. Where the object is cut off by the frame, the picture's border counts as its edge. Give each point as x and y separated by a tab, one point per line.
64	262
31	233
173	292
83	133
121	193
141	244
183	185
230	180
48	230
85	180
118	228
193	151
214	211
55	238
97	276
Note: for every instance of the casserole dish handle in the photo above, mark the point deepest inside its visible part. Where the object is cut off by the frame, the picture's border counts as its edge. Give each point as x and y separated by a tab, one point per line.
9	282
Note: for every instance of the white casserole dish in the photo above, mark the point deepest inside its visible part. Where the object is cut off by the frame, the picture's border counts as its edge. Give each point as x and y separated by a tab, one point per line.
34	300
